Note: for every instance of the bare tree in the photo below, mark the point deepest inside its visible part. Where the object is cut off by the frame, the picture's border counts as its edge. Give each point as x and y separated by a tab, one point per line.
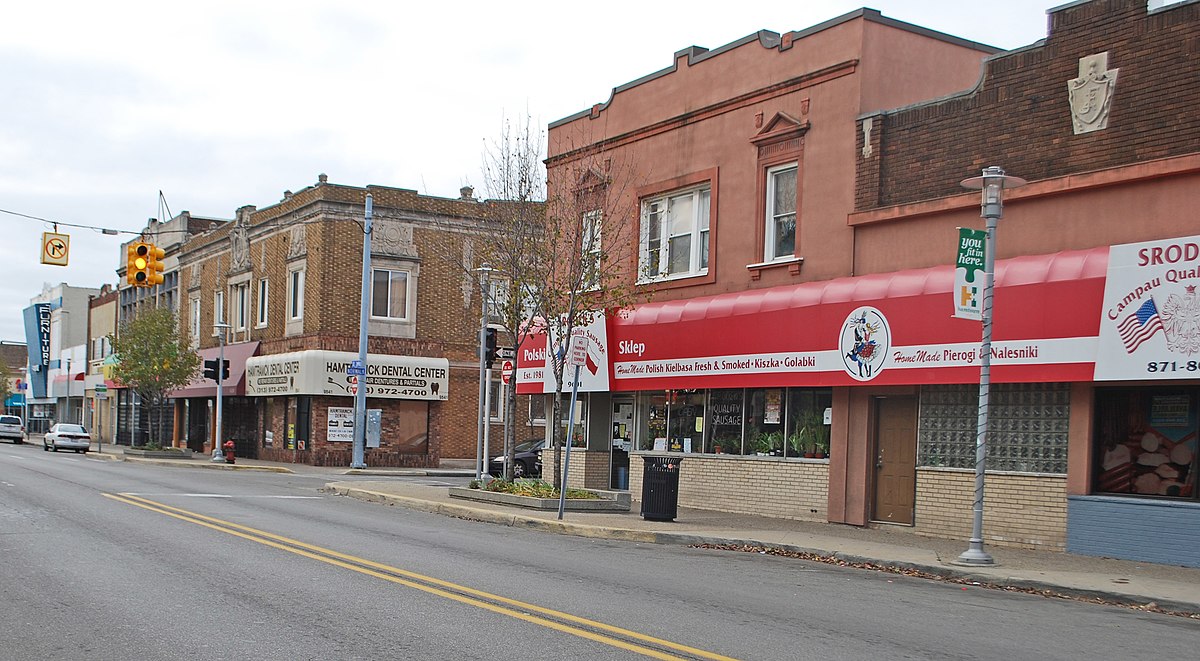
589	253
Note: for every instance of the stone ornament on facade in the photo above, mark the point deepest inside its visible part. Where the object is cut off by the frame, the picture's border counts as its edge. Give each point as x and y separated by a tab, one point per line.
297	243
392	237
239	237
867	125
1091	93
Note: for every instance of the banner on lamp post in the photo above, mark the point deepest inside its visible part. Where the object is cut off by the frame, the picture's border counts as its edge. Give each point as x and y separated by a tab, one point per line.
968	274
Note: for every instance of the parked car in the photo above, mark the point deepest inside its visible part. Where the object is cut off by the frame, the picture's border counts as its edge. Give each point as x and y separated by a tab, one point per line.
528	460
12	428
68	437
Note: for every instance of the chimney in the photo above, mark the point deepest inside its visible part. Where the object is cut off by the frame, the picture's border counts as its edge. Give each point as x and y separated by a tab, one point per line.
467	193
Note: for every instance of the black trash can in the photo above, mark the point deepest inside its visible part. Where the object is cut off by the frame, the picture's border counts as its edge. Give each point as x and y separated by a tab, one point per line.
660	488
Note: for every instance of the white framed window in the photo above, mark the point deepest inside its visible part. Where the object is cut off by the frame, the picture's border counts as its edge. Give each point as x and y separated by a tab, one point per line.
295	298
674	234
496	405
218	311
389	294
239	298
264	289
195	322
537	410
780	236
497	300
590	248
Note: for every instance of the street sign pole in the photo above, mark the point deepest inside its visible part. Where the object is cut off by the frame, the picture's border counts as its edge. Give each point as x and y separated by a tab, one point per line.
577	356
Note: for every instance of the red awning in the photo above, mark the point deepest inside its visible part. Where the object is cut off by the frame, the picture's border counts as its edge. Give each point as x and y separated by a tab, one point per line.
1047	311
236	354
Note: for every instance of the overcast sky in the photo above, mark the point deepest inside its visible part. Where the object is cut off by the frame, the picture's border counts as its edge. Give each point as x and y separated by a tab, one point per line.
222	104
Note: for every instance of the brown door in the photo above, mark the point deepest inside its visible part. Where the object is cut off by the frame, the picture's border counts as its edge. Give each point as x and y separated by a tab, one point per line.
895	459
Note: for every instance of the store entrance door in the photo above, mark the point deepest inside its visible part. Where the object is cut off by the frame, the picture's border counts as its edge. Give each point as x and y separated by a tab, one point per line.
895	459
622	441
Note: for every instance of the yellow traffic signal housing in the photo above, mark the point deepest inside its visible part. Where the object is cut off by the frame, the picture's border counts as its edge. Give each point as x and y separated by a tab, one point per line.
154	265
144	267
135	270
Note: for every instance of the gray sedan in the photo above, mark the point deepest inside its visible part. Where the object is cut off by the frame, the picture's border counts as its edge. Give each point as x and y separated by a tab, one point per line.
68	437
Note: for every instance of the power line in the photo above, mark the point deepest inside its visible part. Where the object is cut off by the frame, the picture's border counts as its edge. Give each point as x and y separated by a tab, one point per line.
102	230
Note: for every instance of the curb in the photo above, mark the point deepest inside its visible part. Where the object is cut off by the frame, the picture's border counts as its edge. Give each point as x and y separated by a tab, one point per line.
685	539
205	464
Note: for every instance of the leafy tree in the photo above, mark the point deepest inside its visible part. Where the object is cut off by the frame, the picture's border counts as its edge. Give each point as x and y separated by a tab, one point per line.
5	376
152	359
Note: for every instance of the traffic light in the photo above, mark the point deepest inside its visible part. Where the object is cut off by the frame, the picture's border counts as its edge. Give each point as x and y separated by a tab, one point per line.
489	348
211	366
154	265
135	269
144	267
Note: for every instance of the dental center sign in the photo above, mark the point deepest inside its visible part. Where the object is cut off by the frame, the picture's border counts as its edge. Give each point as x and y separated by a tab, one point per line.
1150	324
328	373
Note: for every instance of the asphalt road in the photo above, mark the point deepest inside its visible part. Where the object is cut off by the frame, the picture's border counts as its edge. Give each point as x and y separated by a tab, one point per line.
111	560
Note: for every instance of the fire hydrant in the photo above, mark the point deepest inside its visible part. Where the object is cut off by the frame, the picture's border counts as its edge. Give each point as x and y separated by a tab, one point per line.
229	455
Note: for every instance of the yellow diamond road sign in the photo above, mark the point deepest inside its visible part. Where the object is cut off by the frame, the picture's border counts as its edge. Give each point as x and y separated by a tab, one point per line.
55	248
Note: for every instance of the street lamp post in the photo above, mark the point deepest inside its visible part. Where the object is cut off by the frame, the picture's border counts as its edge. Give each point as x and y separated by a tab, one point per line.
218	452
485	273
992	183
358	455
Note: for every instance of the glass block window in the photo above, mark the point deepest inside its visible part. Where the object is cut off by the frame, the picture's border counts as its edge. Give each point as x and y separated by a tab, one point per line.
1027	427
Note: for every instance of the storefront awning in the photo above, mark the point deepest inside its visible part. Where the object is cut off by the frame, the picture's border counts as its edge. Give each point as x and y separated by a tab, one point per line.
236	354
892	328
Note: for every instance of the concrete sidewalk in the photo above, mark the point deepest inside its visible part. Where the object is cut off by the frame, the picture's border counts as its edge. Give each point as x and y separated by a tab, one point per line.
1149	586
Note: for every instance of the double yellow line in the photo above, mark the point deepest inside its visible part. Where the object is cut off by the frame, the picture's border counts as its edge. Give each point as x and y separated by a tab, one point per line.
600	632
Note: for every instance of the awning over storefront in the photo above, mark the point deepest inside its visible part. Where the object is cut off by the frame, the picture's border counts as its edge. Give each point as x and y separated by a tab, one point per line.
890	328
237	355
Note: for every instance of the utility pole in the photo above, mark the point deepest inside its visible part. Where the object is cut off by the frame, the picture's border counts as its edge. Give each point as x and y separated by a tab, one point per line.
358	458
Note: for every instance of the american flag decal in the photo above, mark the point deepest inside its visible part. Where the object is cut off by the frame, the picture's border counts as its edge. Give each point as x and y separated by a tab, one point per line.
1140	326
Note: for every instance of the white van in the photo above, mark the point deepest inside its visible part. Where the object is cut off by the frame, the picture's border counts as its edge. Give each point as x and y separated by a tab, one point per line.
12	428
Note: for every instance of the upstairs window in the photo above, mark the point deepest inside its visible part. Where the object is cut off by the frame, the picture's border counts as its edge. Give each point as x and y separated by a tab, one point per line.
389	294
674	234
263	290
296	294
590	249
781	213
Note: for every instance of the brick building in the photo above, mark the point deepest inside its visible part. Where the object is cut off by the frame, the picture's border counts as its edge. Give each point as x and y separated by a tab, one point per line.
286	280
797	221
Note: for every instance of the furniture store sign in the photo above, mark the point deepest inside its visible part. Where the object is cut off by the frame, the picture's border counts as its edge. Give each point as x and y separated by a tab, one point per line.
1150	327
327	373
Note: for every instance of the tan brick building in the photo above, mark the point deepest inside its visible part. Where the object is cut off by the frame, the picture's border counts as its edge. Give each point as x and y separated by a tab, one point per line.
286	280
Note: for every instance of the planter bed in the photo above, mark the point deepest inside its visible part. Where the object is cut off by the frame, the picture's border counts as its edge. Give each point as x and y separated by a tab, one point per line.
608	501
158	454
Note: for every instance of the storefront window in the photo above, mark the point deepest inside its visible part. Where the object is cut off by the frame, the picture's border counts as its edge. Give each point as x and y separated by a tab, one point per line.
1027	427
685	421
725	415
673	421
1146	442
807	429
580	430
764	422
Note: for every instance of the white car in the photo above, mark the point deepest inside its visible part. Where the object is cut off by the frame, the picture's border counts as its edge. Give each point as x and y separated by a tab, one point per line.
68	437
12	428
